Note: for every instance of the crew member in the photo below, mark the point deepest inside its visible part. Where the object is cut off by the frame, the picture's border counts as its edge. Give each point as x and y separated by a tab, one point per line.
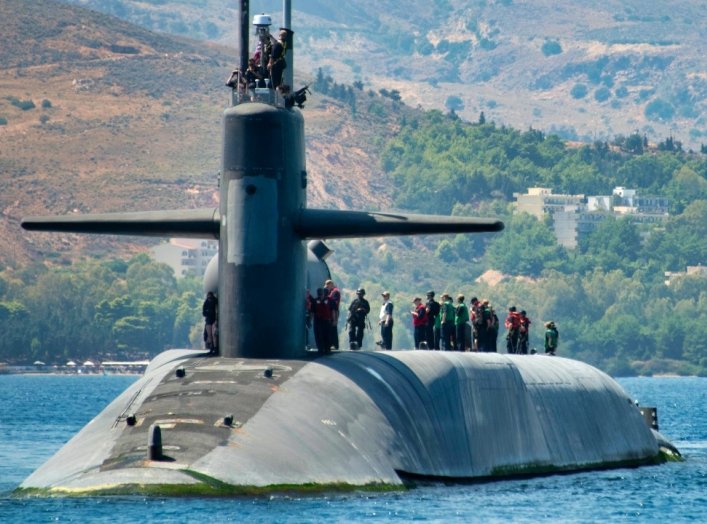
334	301
358	311
385	320
512	324
523	333
551	338
419	322
461	317
492	332
322	312
476	324
277	63
432	310
209	310
447	322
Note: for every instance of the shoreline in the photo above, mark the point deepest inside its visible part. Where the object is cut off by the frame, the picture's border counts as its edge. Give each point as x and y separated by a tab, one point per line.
70	373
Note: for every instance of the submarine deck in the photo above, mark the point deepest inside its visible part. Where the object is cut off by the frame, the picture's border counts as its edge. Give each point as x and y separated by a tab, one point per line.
352	418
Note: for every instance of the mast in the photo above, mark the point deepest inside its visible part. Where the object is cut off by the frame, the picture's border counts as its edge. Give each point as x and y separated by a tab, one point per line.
243	14
289	54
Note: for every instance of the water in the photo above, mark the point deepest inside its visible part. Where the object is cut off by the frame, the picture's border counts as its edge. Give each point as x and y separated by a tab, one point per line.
39	413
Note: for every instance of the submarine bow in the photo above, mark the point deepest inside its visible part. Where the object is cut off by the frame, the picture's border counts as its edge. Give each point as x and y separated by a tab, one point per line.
376	419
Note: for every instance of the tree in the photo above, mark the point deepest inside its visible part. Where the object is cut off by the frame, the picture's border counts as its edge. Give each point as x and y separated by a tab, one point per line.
526	247
551	47
579	91
634	144
14	318
131	334
686	186
659	110
454	103
614	244
602	94
683	242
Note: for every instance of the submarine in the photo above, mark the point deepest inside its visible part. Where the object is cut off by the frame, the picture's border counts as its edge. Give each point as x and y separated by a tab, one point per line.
264	414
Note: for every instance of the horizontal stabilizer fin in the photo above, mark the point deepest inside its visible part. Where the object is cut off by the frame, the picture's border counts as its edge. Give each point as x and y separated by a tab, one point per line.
196	223
326	223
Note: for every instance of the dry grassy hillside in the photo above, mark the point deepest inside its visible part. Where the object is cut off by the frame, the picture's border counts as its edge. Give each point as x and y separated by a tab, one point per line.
102	116
583	69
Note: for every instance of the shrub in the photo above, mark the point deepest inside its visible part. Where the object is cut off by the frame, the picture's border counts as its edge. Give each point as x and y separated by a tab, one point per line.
3	121
25	105
621	92
487	44
551	47
46	104
659	110
425	47
454	103
579	91
602	94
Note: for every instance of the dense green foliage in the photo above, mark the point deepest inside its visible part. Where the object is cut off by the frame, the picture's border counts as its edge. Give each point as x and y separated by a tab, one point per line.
609	296
112	309
438	161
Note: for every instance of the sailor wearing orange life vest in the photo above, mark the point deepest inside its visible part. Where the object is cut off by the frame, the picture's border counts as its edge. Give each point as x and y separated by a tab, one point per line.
334	300
513	326
419	321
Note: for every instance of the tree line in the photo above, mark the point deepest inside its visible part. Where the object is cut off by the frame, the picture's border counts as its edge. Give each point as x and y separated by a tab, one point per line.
112	308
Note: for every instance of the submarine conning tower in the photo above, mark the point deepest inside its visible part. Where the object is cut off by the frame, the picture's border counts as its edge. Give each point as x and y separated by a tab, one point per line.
263	188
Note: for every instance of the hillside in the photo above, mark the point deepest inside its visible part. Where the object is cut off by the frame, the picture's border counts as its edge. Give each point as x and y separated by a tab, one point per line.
100	115
586	70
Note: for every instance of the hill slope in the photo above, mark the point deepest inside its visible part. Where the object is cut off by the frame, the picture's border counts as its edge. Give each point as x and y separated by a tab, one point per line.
583	69
101	115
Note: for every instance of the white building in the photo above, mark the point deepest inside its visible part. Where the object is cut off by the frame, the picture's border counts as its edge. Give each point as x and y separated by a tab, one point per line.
691	271
540	201
575	216
186	256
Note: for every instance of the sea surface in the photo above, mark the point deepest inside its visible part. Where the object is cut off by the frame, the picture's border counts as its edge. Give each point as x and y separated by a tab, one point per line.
38	414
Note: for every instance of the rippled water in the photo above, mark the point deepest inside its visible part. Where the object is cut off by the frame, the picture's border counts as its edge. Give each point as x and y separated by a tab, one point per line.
39	413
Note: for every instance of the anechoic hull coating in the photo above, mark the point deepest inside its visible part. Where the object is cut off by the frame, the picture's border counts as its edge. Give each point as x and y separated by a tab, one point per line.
353	418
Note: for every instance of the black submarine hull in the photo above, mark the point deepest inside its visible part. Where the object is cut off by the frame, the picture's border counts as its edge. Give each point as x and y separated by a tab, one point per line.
357	419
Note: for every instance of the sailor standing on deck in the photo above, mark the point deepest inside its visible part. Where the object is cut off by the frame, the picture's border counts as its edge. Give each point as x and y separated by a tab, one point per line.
321	310
209	310
386	321
461	317
419	322
551	338
432	309
335	301
447	322
512	324
358	311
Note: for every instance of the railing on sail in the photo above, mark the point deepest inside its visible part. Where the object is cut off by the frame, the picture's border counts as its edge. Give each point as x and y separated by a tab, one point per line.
241	92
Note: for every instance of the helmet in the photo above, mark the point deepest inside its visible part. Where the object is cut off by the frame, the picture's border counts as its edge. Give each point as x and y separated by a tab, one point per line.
360	291
262	20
